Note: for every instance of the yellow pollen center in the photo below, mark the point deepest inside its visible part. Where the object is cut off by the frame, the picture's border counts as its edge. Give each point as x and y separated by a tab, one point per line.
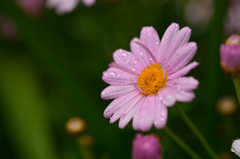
151	79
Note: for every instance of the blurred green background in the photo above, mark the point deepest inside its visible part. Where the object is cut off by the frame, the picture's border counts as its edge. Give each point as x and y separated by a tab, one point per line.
51	68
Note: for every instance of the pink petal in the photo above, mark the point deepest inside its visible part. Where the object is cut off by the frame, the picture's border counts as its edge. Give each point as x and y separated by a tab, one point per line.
127	60
140	53
166	97
183	71
116	76
146	113
160	118
183	96
181	57
183	83
88	2
149	37
118	103
135	122
124	120
125	109
180	39
116	91
166	39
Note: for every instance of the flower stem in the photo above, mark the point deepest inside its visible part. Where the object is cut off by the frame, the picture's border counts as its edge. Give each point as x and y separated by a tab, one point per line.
197	133
181	143
236	81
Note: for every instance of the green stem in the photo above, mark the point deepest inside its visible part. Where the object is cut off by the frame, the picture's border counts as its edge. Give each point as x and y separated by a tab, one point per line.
197	133
236	81
181	143
85	152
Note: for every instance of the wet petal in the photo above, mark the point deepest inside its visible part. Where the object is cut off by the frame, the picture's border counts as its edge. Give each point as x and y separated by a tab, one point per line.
116	76
135	123
116	91
166	39
118	103
183	83
183	96
140	53
146	113
166	97
181	57
180	39
149	37
183	71
161	114
125	109
124	120
127	60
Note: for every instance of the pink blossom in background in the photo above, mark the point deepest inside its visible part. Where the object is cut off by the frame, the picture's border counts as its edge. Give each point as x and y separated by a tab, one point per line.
66	6
230	55
8	29
32	7
199	12
145	81
232	22
146	147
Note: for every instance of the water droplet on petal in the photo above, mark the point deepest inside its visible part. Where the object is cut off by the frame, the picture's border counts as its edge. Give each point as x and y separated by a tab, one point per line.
112	74
103	93
124	54
127	61
162	113
177	86
135	61
133	69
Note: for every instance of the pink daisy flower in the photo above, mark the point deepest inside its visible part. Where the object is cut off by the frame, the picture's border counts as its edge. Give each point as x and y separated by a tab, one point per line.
145	81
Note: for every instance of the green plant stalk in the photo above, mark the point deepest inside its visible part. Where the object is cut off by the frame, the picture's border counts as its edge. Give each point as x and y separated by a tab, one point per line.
236	81
181	143
196	132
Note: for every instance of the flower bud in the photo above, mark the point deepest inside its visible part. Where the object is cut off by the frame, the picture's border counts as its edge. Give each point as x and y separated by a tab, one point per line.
87	140
75	126
236	147
146	147
230	55
226	105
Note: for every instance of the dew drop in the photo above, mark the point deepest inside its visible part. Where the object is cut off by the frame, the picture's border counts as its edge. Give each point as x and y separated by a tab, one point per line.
112	74
103	93
127	61
232	149
164	60
162	118
141	53
177	86
133	69
149	34
162	113
160	97
135	61
124	54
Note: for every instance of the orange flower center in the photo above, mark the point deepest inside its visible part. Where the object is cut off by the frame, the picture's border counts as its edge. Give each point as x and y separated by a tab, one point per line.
151	79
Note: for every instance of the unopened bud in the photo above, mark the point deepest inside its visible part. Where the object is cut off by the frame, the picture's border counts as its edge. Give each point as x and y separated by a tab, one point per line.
75	126
230	55
226	105
87	140
146	147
